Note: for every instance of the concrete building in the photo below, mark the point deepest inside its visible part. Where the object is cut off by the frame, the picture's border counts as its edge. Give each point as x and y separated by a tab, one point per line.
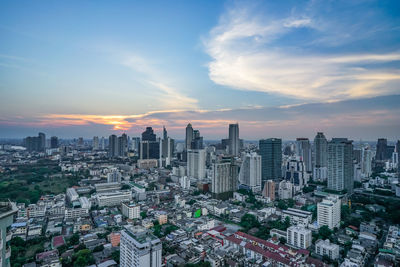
271	158
114	176
7	212
366	162
224	178
113	198
234	142
140	248
189	137
72	195
269	190
325	247
303	150
250	172
340	165
299	237
196	163
328	212
297	217
321	150
285	190
130	210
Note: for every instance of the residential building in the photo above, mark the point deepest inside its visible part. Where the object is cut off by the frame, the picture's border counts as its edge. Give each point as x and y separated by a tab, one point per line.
271	158
269	190
299	237
328	212
321	150
297	217
325	247
131	210
7	212
113	198
196	163
250	172
285	190
303	150
234	142
224	178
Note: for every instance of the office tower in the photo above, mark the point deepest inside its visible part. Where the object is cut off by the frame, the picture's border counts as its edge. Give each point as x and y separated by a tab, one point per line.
149	135
189	137
321	150
54	142
139	248
389	151
285	190
269	190
103	143
224	178
135	144
42	141
114	176
366	162
196	163
271	158
112	146
197	140
167	149
303	150
122	145
398	146
95	143
295	173
7	212
381	149
250	172
80	142
328	212
165	134
298	236
234	143
149	146
340	165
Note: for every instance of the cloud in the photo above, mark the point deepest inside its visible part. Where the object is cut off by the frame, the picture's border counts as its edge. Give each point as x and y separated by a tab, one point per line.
249	50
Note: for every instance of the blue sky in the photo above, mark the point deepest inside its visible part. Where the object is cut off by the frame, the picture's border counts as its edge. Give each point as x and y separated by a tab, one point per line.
84	68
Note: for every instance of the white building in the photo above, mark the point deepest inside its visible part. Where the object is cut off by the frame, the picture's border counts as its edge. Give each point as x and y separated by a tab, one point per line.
74	213
114	176
196	163
131	210
140	248
113	198
72	195
297	217
329	212
184	182
299	237
250	172
320	173
366	162
285	190
325	247
85	203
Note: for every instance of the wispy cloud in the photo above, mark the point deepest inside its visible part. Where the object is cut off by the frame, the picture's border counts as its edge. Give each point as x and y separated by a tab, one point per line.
247	54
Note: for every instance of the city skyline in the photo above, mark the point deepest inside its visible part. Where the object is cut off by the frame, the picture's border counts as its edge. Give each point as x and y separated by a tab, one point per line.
282	70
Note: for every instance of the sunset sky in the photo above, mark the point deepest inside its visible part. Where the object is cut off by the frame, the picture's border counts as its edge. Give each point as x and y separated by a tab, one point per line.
278	68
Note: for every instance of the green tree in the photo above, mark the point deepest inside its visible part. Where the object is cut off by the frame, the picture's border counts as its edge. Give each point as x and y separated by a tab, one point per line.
249	221
324	232
115	256
83	257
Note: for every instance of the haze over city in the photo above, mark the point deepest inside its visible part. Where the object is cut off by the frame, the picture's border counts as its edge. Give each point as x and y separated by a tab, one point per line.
279	68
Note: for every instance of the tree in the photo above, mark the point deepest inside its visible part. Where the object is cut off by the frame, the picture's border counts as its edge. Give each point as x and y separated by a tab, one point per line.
249	221
74	239
83	258
143	214
98	248
282	240
125	187
324	232
115	256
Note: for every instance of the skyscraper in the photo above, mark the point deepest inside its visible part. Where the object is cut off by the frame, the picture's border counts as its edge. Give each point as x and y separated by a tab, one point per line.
381	149
250	172
54	142
95	143
149	146
224	178
234	142
122	145
271	158
42	141
196	163
112	146
189	136
149	135
303	150
340	165
139	248
321	150
366	162
269	190
197	141
35	143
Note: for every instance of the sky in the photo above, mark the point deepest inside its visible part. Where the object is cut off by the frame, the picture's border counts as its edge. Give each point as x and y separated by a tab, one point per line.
279	68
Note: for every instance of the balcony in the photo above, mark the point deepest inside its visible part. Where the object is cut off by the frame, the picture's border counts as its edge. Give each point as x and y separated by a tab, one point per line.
8	253
8	236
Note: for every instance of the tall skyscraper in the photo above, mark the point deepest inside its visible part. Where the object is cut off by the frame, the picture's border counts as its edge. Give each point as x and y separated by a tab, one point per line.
35	143
321	150
122	145
112	146
149	135
189	136
196	163
340	165
95	143
303	150
398	146
234	142
250	172
149	146
54	142
42	141
197	141
381	149
139	248
271	158
224	178
167	149
366	162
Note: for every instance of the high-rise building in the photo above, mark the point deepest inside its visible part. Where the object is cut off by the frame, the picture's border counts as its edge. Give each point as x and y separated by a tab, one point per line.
42	141
298	236
197	140
295	173
250	172
224	178
35	143
113	146
321	150
122	145
149	146
196	163
7	212
340	165
54	142
234	142
102	143
167	149
381	149
398	146
139	248
189	137
328	212
303	150
366	162
95	143
285	190
149	135
269	190
114	176
271	158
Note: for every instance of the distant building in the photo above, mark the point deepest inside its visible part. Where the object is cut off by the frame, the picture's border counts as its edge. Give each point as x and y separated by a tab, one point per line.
114	176
328	212
285	190
196	163
234	142
269	190
271	158
35	143
224	178
250	172
321	150
54	142
140	248
340	165
189	137
303	150
95	143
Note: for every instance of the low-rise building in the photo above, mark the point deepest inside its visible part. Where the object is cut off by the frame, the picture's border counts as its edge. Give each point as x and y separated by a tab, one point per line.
299	237
325	247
